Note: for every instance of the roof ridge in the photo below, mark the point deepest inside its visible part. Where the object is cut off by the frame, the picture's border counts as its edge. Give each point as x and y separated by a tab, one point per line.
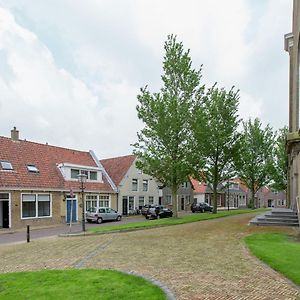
47	145
122	156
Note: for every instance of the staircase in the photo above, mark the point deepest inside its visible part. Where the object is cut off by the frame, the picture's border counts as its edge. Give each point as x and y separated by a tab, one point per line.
277	217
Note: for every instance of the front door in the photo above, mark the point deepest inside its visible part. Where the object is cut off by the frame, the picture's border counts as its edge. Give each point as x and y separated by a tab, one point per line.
4	210
5	215
71	210
125	206
182	203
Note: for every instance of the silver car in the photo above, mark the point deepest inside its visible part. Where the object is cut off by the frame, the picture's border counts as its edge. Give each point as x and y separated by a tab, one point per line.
101	214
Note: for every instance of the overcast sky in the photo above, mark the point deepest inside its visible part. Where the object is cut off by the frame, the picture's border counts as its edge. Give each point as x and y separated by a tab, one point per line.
70	70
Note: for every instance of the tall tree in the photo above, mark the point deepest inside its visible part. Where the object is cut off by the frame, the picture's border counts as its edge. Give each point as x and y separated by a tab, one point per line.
256	159
164	144
280	161
216	140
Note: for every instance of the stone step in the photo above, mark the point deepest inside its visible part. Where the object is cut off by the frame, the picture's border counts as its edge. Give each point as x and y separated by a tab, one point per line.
278	220
277	213
268	223
292	217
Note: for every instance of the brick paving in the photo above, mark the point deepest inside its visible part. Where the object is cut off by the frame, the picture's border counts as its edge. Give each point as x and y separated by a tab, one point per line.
203	260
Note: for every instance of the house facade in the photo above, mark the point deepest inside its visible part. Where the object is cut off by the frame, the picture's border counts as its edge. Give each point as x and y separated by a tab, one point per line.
266	197
39	184
232	193
203	193
135	189
185	196
292	46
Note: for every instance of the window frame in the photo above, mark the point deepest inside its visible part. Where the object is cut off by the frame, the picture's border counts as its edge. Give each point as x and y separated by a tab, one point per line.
137	184
36	206
145	184
34	169
6	162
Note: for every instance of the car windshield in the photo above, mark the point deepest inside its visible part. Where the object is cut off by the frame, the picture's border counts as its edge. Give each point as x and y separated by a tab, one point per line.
92	209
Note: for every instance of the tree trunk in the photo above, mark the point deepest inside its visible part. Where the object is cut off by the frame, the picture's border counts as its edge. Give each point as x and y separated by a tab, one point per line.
252	198
215	195
174	201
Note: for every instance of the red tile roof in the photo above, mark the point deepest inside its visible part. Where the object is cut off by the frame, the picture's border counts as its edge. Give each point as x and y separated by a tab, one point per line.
199	187
46	158
117	167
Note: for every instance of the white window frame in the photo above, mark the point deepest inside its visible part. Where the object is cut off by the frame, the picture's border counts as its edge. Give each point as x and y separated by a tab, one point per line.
36	206
149	199
145	181
98	199
137	184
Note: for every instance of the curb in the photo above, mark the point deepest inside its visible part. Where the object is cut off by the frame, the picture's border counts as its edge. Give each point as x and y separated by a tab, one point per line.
167	291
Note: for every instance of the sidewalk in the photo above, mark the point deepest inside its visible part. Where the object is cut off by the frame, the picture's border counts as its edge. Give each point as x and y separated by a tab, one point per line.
8	236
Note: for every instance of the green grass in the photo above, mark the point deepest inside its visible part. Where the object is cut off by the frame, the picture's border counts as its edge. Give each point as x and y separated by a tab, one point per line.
280	251
76	284
171	221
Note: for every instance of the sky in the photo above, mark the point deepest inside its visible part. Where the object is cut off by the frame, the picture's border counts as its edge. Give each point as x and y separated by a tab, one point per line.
70	70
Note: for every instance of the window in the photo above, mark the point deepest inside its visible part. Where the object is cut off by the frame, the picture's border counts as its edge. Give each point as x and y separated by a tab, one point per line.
43	205
134	185
32	169
104	201
93	175
90	201
36	205
151	199
141	201
131	203
28	206
74	173
145	185
6	165
168	199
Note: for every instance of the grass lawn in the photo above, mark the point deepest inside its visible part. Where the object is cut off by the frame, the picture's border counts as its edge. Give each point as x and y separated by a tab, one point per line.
76	284
172	221
280	251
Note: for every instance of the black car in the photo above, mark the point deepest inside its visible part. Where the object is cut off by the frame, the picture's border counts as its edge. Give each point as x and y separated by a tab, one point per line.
158	212
201	207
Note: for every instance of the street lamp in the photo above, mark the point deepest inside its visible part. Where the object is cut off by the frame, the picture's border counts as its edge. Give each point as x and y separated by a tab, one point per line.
82	179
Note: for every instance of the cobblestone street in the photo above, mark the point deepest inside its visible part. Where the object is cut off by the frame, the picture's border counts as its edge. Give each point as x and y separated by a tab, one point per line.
203	260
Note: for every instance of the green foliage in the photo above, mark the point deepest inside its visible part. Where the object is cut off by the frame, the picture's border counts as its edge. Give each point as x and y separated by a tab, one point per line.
164	144
279	251
216	140
255	163
280	162
76	284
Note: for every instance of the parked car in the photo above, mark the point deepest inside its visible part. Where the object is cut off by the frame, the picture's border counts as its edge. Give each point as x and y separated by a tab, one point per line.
145	209
201	207
101	214
158	212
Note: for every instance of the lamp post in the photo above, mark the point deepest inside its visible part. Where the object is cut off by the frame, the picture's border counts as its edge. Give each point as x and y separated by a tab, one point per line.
82	179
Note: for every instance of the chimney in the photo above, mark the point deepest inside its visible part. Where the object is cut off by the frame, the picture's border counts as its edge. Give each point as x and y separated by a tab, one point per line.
14	134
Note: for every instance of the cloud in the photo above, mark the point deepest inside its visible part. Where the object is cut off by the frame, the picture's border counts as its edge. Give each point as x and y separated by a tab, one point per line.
47	103
70	70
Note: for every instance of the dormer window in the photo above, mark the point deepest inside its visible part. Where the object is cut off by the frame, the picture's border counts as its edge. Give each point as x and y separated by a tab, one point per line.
6	165
32	169
91	175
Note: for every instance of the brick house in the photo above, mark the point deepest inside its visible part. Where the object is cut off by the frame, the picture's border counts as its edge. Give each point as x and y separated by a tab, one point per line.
233	189
39	185
266	197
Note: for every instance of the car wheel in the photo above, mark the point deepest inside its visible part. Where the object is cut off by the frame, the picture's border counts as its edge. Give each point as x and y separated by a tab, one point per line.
99	220
119	218
193	211
89	221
